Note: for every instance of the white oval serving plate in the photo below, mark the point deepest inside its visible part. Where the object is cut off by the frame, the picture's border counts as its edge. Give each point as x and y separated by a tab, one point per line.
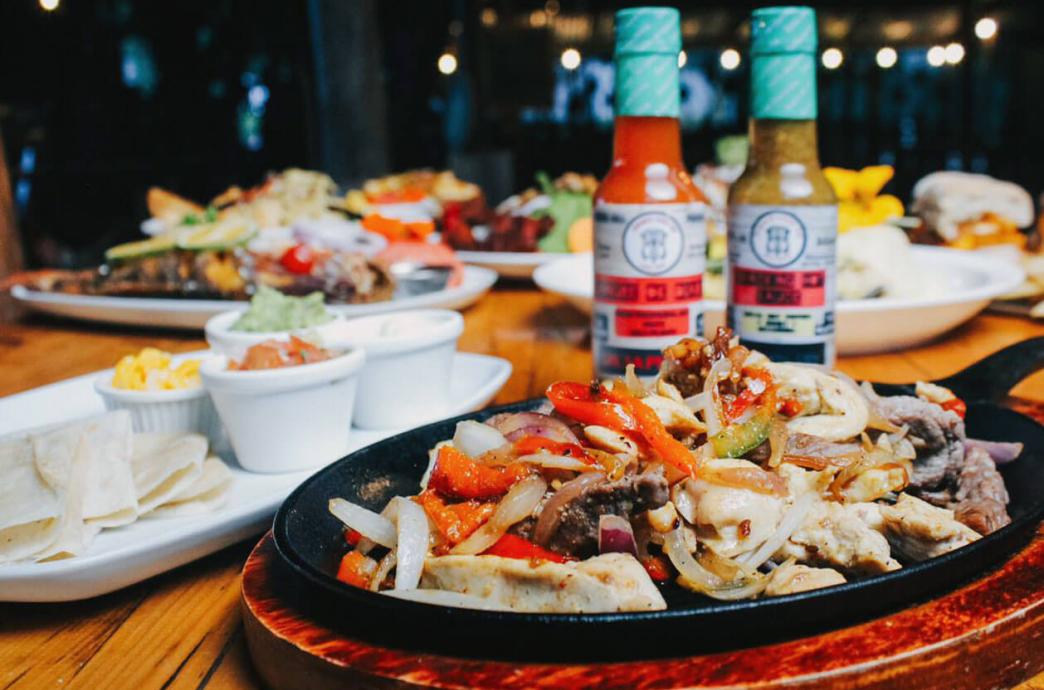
194	313
863	326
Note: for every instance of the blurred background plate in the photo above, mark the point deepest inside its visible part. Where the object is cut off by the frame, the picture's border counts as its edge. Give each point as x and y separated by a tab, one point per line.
863	326
193	313
509	264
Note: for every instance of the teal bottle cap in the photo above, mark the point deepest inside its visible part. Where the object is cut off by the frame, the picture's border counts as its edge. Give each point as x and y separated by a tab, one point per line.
783	63
648	40
783	30
655	30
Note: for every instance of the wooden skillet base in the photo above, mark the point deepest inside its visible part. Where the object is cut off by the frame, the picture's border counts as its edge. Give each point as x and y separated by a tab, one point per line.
988	634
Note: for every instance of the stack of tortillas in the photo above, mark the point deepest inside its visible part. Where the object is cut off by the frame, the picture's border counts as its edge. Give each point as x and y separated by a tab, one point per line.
60	486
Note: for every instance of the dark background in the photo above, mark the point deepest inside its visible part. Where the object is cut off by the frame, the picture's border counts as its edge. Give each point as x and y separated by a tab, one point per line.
100	100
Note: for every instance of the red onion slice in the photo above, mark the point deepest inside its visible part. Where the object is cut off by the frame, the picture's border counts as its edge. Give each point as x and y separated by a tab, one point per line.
516	425
1000	451
615	535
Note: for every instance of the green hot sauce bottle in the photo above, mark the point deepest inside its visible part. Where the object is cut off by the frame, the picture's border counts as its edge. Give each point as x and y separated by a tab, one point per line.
782	214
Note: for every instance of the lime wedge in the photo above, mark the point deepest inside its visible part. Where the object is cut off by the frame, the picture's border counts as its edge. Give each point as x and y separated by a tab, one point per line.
223	234
140	248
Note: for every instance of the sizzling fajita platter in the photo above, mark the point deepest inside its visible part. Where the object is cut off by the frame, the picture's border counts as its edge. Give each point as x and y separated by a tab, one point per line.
730	501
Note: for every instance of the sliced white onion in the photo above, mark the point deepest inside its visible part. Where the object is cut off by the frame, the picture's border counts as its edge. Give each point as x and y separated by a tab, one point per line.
633	383
711	408
697	402
517	505
474	438
787	526
383	568
558	462
745	591
366	522
688	568
444	597
413	533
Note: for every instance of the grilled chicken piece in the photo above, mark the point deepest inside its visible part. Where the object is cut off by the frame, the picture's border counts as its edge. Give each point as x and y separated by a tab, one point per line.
875	483
791	578
918	530
729	520
835	535
606	583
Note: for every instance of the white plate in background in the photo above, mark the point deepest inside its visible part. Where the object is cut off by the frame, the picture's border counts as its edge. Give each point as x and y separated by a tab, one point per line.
165	312
864	326
509	264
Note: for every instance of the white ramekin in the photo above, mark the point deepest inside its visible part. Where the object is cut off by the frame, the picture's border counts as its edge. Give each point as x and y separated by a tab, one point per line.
406	378
224	341
175	411
288	419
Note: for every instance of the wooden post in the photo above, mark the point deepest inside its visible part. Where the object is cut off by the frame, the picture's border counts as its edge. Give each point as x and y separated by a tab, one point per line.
11	259
349	84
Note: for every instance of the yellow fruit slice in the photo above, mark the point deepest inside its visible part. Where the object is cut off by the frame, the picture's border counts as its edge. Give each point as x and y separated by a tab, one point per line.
140	248
843	181
871	180
223	234
581	235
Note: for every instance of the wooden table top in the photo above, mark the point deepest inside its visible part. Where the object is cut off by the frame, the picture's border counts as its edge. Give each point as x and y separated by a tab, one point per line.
182	629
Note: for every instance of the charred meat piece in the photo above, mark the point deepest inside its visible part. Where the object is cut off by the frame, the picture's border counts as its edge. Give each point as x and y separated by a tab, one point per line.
170	274
982	499
344	278
948	472
687	363
938	437
568	522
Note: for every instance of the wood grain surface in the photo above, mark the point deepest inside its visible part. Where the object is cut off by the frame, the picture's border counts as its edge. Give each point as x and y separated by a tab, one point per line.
182	629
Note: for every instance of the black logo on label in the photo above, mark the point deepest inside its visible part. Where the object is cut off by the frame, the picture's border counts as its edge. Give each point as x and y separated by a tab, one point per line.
778	238
653	243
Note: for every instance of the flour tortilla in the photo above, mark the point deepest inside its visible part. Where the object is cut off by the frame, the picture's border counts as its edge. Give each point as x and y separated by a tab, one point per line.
109	497
205	495
67	473
165	466
30	510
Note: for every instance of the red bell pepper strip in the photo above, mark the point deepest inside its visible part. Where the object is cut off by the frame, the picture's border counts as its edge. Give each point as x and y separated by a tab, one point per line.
455	522
356	569
751	394
457	476
352	537
623	412
512	546
586	404
669	449
657	568
956	405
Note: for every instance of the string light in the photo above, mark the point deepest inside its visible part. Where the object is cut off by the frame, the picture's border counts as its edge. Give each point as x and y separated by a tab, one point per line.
986	28
832	58
887	57
682	59
447	63
954	53
730	59
937	56
571	58
49	5
488	17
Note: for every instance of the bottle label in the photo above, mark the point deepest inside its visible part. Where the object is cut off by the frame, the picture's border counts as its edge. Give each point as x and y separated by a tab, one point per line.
649	261
782	280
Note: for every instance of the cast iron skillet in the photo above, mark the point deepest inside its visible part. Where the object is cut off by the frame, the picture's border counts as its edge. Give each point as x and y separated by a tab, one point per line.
311	542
